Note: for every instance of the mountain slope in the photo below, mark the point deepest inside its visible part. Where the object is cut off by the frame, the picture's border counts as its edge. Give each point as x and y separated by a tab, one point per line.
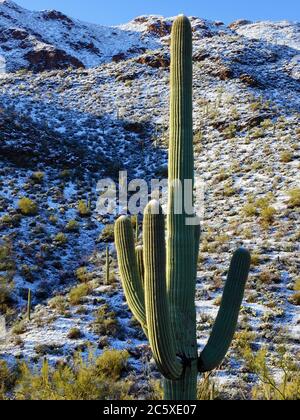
51	40
77	126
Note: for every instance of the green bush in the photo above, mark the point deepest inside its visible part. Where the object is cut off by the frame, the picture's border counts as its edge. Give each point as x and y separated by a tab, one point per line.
74	334
53	219
72	226
6	288
297	285
7	380
20	327
250	210
294	200
83	275
285	386
79	292
105	322
92	379
267	215
60	239
83	209
37	177
107	234
27	207
6	261
295	299
10	220
286	156
59	303
207	389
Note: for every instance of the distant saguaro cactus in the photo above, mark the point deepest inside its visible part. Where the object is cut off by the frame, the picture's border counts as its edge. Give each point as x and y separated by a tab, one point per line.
161	291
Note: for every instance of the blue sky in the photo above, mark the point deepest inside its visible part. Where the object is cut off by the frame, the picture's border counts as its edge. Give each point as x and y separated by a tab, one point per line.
112	12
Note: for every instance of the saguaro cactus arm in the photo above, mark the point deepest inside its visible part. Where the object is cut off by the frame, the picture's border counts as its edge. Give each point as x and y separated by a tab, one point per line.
160	333
225	324
131	280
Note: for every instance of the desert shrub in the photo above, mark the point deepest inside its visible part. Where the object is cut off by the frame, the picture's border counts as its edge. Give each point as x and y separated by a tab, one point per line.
112	363
284	386
92	379
105	322
60	239
83	209
45	349
230	131
28	272
286	156
267	215
222	176
258	133
107	234
255	259
294	198
59	303
6	261
79	292
260	207
297	285
243	341
207	389
65	174
27	207
218	301
155	392
72	226
74	334
37	177
53	219
250	210
19	327
295	299
268	277
6	288
7	379
83	275
229	191
10	220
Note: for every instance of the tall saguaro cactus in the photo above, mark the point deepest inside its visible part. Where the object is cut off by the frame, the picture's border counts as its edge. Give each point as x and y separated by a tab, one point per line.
159	279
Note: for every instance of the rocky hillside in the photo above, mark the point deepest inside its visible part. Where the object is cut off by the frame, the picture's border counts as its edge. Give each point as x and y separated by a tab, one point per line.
81	102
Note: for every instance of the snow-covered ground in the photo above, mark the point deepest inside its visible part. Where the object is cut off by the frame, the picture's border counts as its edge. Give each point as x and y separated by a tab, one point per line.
80	125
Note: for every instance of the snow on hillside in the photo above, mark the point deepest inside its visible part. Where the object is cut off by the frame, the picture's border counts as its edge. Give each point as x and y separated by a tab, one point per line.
64	128
281	33
26	35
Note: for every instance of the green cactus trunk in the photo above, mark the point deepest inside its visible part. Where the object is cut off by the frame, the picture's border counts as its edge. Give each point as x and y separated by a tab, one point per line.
159	279
181	279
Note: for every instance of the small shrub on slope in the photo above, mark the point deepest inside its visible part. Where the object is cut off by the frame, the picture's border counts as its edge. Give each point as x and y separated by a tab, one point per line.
94	379
27	207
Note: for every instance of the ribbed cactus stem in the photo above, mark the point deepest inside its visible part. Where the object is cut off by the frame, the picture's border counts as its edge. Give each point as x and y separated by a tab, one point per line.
165	306
226	321
136	229
139	253
160	333
131	281
181	238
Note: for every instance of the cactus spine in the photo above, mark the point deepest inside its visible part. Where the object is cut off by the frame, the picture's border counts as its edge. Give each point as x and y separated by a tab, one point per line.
161	294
